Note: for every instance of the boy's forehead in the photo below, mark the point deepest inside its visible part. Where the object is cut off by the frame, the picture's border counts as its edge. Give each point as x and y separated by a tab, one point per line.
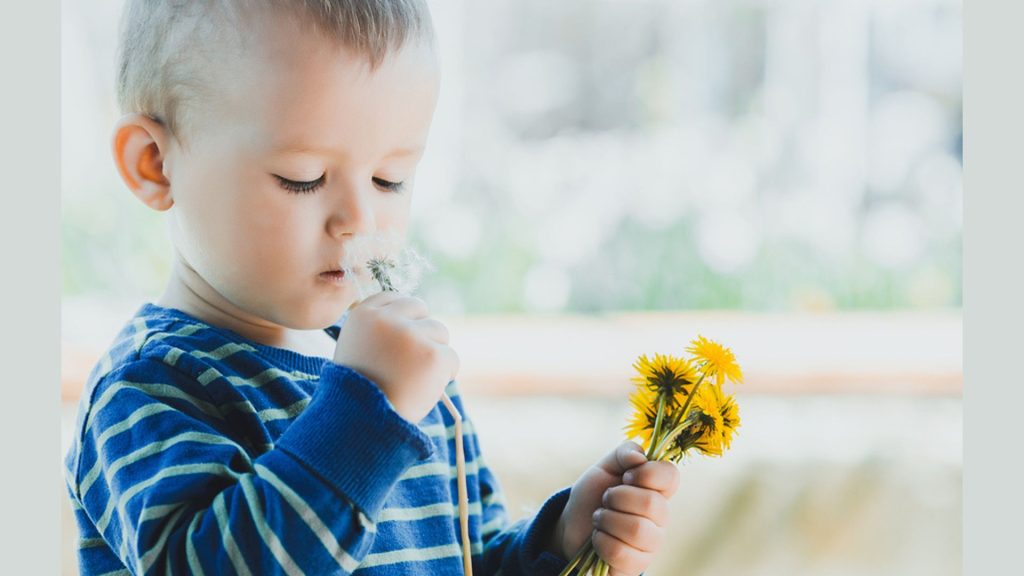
293	93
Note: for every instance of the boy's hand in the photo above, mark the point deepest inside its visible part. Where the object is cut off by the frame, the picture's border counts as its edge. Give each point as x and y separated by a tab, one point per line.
392	340
626	516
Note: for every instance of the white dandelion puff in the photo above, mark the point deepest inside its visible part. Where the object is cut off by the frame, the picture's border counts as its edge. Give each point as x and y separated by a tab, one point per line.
381	261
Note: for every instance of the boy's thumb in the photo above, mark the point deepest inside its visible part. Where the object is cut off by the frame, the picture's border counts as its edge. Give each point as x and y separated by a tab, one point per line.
625	456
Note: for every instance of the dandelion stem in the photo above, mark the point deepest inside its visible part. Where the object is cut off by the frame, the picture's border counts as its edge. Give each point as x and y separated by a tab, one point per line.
591	563
657	425
657	453
585	561
583	553
379	268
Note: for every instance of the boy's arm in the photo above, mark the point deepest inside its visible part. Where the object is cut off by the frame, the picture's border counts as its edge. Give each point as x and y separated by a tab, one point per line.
172	494
518	549
522	548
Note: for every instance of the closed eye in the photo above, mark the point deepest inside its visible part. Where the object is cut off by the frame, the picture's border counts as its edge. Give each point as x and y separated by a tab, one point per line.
310	186
300	187
388	185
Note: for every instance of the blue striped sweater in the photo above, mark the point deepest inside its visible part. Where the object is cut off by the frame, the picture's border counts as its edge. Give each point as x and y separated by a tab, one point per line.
198	451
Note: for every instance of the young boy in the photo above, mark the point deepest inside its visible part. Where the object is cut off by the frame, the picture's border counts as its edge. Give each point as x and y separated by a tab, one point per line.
236	426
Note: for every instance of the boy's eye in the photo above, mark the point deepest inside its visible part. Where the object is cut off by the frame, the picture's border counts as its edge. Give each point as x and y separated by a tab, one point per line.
298	187
308	187
388	185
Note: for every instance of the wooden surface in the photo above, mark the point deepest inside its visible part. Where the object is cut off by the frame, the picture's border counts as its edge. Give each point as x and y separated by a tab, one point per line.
845	352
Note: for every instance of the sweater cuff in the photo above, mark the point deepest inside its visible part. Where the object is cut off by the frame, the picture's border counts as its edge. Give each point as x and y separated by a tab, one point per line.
350	435
534	558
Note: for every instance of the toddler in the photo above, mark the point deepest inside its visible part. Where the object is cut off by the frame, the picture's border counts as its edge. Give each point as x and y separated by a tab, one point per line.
256	418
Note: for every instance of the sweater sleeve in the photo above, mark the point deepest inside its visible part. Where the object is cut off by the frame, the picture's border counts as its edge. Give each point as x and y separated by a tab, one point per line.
510	549
518	549
171	493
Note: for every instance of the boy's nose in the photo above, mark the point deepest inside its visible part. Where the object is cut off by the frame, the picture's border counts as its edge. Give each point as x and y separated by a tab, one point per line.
353	213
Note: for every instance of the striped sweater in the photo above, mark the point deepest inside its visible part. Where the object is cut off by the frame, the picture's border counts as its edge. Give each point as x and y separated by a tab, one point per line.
198	451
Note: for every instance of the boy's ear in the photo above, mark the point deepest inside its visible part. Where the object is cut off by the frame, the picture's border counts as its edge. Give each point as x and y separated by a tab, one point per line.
140	145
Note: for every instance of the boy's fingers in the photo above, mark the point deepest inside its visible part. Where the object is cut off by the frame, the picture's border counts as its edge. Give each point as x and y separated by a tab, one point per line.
619	555
408	306
639	501
627	455
378	299
657	475
435	330
452	361
636	531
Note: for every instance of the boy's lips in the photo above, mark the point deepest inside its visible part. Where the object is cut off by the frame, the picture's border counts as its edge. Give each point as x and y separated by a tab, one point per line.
336	277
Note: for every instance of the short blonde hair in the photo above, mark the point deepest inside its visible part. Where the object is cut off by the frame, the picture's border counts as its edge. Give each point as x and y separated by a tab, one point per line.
164	43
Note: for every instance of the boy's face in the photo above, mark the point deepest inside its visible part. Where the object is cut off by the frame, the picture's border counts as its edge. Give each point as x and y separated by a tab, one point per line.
296	109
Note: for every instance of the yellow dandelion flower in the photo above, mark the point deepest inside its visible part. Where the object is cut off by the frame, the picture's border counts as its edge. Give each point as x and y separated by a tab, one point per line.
709	426
645	405
699	434
666	375
718	360
730	412
707	405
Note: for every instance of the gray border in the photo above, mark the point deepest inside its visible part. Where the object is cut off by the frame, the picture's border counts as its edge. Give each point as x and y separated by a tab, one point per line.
993	286
30	236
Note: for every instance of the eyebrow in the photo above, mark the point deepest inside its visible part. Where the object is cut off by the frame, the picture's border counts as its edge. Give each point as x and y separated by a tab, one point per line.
300	149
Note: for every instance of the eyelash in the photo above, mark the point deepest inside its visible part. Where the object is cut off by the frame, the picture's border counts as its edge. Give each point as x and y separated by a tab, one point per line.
296	187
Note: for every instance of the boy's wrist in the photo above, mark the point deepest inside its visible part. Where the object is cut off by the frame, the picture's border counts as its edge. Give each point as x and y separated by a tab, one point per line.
556	539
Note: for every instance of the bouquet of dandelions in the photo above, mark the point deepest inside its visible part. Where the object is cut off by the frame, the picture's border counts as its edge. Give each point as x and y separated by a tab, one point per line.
382	263
679	409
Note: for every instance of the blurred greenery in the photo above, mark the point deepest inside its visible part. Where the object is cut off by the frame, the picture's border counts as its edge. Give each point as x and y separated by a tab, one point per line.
647	272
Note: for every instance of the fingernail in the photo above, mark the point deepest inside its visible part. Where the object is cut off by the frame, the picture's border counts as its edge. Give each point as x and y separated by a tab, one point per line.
628	477
604	498
597	516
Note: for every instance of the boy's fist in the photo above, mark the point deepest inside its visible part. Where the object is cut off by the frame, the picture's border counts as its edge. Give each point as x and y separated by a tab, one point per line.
392	340
622	502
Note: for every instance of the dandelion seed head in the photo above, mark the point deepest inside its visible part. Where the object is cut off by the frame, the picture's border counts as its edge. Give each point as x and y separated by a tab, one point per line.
383	255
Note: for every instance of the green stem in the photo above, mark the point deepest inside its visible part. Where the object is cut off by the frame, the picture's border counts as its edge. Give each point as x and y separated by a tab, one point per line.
588	562
594	564
657	425
681	420
583	552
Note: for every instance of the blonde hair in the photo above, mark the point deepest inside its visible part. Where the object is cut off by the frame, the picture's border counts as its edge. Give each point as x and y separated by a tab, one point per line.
164	44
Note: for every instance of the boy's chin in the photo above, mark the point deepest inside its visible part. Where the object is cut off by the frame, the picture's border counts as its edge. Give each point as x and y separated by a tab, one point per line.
321	317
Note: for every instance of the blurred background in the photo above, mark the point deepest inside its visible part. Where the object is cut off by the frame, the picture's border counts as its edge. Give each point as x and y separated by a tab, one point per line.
607	178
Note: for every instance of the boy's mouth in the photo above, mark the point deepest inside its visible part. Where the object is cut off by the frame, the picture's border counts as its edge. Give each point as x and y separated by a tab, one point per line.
341	272
334	276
